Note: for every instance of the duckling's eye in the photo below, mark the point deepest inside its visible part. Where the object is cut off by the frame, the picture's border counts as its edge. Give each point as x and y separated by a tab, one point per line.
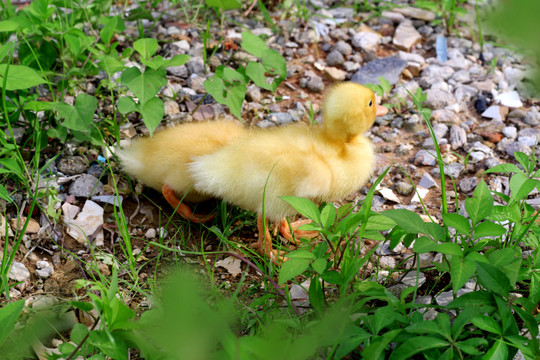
370	102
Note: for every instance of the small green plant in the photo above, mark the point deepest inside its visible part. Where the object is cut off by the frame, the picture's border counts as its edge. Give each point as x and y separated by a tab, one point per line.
383	89
447	10
228	86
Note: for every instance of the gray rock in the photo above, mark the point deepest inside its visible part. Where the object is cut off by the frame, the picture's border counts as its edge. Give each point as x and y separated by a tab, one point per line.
179	71
387	262
283	118
445	116
514	146
427	181
510	132
18	272
366	40
416	13
438	99
313	82
72	165
389	68
491	162
440	131
413	124
458	137
195	65
253	93
528	140
461	76
406	36
424	158
533	117
430	144
397	123
529	136
44	269
411	57
393	16
454	170
343	48
411	279
464	93
85	186
334	58
517	114
432	72
404	188
403	149
468	184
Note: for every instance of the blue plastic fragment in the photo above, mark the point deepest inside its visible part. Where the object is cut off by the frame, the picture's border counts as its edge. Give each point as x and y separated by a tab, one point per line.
101	159
440	47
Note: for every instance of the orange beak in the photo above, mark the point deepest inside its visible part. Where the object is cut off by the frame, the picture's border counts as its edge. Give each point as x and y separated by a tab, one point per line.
381	110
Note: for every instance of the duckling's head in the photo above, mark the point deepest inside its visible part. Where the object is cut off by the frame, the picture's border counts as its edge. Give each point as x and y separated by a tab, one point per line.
349	109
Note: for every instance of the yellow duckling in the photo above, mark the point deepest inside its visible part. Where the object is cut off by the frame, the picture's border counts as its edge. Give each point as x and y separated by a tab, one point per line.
321	163
161	162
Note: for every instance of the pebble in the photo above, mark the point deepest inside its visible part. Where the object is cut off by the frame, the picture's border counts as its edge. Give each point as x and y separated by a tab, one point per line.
44	269
403	149
343	48
416	13
413	279
366	40
313	82
404	188
427	181
514	146
406	36
468	184
283	118
18	272
18	223
464	93
72	165
150	233
85	186
532	117
389	68
510	132
335	74
438	99
253	93
424	158
87	223
334	58
433	72
458	137
444	116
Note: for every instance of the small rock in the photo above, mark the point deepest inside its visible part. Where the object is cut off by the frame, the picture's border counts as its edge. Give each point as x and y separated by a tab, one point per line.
72	165
403	149
413	124
18	223
343	48
387	262
495	112
461	76
334	58
510	132
150	233
389	68
424	158
178	71
480	104
416	13
282	118
85	186
458	137
438	99
253	93
464	93
404	188
419	194
182	45
335	74
411	57
440	131
367	40
314	82
412	280
427	181
388	194
44	269
491	162
406	36
514	146
393	16
433	72
87	223
231	264
3	228
532	117
18	272
510	99
444	116
468	184
454	170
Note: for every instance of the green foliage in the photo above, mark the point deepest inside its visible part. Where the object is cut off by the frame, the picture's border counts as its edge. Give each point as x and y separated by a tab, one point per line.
228	86
447	10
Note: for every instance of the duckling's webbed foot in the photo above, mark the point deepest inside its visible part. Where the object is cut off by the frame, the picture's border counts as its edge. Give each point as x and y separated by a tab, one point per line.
183	209
286	231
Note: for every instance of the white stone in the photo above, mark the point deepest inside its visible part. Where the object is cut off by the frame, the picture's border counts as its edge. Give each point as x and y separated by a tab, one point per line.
510	99
406	36
492	112
231	264
18	272
366	40
419	190
87	223
388	194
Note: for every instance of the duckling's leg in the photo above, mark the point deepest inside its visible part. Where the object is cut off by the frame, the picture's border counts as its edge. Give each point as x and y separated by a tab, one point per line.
183	209
264	242
286	231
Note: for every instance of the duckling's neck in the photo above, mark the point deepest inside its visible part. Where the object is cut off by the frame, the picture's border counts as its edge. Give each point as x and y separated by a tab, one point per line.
338	137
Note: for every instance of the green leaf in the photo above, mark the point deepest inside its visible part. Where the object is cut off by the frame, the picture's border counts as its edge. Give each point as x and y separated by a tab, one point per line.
379	222
522	158
112	24
225	4
461	270
78	333
8	26
4	194
84	306
79	116
305	207
487	323
328	216
20	77
126	105
450	249
8	318
110	344
253	44
379	344
481	204
499	351
470	346
144	85
492	279
458	222
319	265
385	84
316	294
177	60
301	254
504	168
480	299
228	88
292	268
332	277
488	228
408	220
39	106
524	189
110	65
424	245
152	112
146	47
417	345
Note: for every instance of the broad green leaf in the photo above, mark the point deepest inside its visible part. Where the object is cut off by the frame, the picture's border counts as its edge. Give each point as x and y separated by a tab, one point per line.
228	89
488	228
481	204
487	323
79	116
524	190
253	44
528	319
144	85
292	268
20	77
450	249
111	65
304	206
319	265
408	220
147	47
328	215
332	277
504	168
152	112
177	60
458	222
379	222
84	306
8	26
112	24
5	50
109	343
301	254
78	332
492	279
353	336
39	106
379	344
471	345
4	194
8	318
225	4
432	327
424	245
499	351
522	158
316	294
461	270
126	105
417	345
385	84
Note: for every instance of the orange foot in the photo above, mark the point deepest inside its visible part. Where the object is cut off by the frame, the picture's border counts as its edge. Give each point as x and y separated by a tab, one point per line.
183	209
264	242
286	231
